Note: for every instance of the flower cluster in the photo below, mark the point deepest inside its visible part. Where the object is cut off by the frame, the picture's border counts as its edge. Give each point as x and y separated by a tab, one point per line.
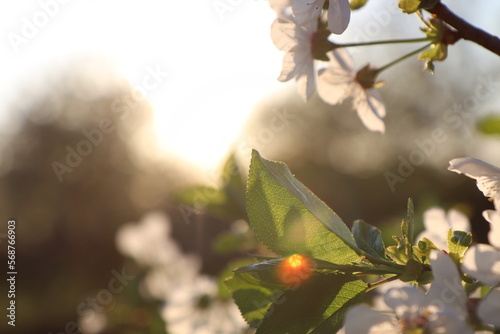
442	309
482	261
300	32
445	307
191	301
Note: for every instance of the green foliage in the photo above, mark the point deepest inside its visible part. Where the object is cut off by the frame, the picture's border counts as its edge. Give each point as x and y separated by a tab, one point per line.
357	4
411	6
423	250
435	30
226	201
490	125
458	243
288	218
317	306
254	293
369	239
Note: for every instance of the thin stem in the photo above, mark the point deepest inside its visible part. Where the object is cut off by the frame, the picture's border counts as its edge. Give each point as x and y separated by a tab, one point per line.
394	62
390	41
465	29
391	264
376	284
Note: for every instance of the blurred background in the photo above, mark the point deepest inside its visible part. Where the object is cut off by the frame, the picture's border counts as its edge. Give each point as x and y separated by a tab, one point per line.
111	110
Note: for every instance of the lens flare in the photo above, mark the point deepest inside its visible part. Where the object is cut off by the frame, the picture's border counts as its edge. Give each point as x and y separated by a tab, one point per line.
295	270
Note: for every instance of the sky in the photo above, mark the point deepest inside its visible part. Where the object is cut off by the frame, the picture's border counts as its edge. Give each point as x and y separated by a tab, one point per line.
213	60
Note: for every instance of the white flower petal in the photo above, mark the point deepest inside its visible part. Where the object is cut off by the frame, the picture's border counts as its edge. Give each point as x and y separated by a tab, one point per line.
148	241
339	15
458	221
449	322
446	291
340	58
437	223
307	11
486	175
334	88
361	319
370	108
493	217
307	83
298	62
483	263
489	309
405	300
284	33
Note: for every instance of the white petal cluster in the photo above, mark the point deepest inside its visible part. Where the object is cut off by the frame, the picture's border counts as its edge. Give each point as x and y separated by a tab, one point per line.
191	303
441	310
482	261
294	31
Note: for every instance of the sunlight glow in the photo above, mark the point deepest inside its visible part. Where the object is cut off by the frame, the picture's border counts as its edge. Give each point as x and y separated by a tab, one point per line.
213	64
295	269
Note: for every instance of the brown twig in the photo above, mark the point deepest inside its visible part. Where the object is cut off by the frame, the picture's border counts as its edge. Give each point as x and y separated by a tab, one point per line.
465	29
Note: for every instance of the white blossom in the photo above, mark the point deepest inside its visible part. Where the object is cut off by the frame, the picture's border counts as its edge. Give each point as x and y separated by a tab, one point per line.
489	309
441	310
482	261
295	40
148	242
162	280
193	307
308	11
437	223
340	80
487	176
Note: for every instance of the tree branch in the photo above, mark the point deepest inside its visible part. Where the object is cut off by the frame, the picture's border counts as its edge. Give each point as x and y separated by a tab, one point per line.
465	29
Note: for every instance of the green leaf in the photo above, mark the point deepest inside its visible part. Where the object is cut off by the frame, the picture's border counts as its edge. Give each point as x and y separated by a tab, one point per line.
288	218
254	293
490	125
458	243
423	250
315	307
399	252
357	4
223	290
233	182
369	239
226	201
436	52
